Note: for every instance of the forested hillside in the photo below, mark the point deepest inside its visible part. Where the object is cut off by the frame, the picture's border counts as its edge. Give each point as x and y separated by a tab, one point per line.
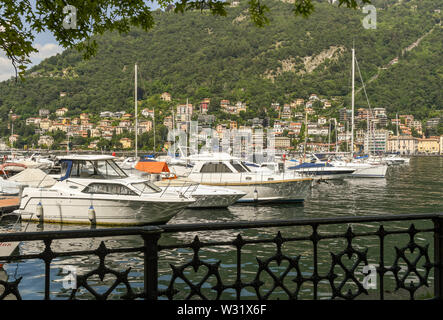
197	55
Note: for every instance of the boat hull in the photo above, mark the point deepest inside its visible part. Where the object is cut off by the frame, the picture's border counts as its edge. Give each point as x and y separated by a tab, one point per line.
108	211
270	192
371	172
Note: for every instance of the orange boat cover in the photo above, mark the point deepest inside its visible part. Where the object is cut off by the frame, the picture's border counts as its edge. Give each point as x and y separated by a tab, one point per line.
152	166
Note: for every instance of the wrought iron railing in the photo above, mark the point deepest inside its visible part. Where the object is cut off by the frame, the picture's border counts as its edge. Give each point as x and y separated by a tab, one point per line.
292	273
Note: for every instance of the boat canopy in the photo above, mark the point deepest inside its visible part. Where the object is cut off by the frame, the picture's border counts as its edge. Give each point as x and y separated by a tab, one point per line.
86	157
152	166
310	165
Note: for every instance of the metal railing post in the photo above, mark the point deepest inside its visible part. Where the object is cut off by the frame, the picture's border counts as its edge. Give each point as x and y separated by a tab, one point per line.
438	257
151	235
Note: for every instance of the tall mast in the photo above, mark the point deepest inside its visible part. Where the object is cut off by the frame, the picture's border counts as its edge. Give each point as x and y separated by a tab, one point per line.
306	134
398	142
136	112
353	93
329	136
154	128
368	132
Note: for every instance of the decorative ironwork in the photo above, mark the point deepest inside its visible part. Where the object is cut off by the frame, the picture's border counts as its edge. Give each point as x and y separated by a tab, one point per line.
10	288
287	269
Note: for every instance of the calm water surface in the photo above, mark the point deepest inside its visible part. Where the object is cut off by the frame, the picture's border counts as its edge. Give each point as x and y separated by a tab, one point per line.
413	188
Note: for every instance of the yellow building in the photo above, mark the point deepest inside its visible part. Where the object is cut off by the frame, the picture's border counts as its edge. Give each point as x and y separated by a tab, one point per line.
430	145
126	143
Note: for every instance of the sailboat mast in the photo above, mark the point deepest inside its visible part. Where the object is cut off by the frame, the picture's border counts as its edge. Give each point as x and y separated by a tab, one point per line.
136	112
398	142
306	134
352	103
154	128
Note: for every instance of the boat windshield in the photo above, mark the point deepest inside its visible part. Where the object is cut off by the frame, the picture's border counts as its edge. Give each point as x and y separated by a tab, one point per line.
96	169
146	187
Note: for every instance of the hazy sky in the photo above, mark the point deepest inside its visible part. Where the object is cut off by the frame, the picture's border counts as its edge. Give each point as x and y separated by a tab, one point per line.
47	46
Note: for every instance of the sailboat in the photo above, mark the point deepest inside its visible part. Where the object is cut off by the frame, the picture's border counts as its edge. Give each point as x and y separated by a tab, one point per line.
206	196
362	168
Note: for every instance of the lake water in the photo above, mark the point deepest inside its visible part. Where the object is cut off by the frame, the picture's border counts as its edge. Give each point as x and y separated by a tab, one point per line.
413	188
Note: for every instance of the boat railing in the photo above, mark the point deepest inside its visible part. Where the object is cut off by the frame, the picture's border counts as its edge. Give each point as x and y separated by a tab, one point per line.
352	257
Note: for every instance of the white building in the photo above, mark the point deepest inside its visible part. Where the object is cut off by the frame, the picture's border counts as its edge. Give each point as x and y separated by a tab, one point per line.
376	141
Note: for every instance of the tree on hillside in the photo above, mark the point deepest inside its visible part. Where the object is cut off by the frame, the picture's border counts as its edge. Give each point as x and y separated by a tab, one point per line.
75	24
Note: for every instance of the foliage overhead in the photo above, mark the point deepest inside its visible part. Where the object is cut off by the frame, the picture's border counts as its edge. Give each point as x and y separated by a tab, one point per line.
20	21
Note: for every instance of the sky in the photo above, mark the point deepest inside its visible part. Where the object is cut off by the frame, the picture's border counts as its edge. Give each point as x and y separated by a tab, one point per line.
46	45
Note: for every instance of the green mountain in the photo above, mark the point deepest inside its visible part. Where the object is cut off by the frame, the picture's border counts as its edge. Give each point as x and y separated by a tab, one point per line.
197	55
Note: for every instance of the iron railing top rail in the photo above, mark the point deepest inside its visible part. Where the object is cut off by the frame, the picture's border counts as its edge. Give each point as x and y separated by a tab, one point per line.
296	222
145	230
81	233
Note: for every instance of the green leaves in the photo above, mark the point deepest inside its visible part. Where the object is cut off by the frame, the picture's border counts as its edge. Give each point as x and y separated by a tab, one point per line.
20	21
257	12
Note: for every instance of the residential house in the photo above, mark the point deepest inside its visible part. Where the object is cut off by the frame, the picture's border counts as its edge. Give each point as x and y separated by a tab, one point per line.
376	141
282	142
148	113
13	139
126	116
126	143
322	120
168	122
286	112
106	114
402	144
166	96
204	106
145	126
61	112
313	97
428	145
184	112
43	112
432	123
45	124
275	106
299	102
44	140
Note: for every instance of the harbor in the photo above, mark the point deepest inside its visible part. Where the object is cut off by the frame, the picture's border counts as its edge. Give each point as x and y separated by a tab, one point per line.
192	230
213	158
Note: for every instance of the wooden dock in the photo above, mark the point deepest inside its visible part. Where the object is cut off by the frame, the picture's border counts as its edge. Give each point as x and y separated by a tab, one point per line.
9	204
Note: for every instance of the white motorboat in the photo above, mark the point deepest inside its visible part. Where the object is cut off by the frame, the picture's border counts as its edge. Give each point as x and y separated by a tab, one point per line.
220	169
322	170
362	169
395	160
94	189
205	196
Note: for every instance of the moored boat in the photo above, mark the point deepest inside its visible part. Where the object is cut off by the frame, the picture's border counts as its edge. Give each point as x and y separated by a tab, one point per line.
94	189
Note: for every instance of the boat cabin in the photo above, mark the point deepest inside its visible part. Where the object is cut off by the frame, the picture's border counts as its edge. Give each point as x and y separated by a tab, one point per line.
107	173
90	167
